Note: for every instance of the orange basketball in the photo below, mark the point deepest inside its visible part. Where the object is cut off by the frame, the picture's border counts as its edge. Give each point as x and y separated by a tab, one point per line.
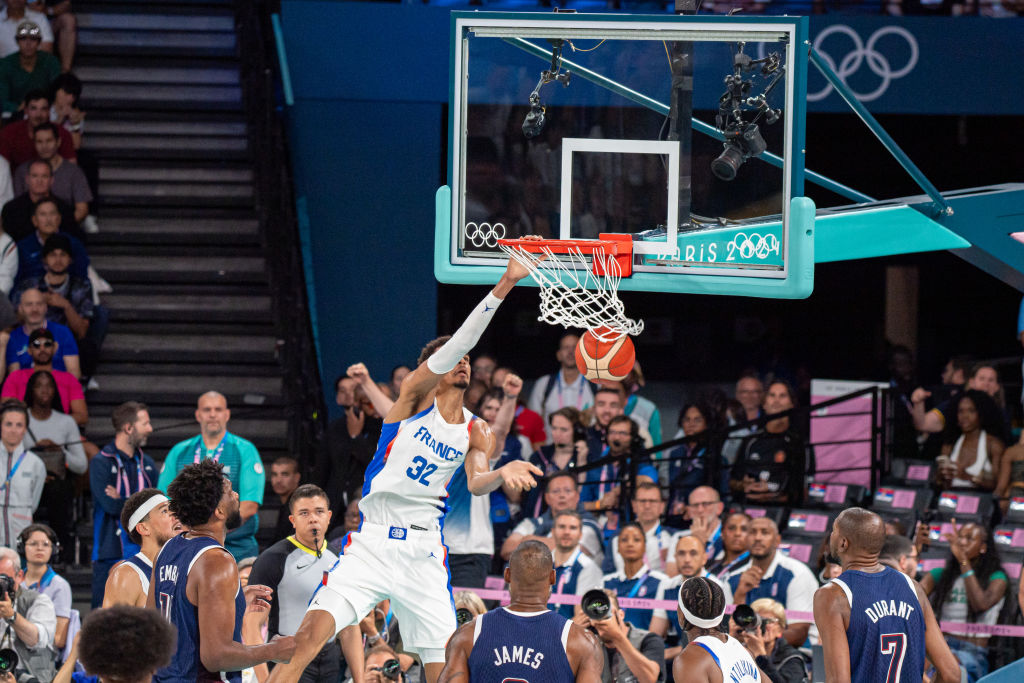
602	361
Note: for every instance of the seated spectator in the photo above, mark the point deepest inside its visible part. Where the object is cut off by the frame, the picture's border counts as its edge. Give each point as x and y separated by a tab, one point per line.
899	553
630	653
284	479
65	28
575	572
600	490
642	410
704	512
347	448
16	138
978	376
32	623
771	574
41	348
497	408
32	309
65	112
750	395
27	69
771	464
648	507
781	661
564	387
972	460
12	16
483	367
735	545
38	545
18	213
26	474
46	220
8	252
529	423
970	589
55	438
398	374
635	579
69	182
568	449
695	463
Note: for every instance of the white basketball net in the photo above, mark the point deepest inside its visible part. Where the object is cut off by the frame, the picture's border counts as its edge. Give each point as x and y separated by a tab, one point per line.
567	299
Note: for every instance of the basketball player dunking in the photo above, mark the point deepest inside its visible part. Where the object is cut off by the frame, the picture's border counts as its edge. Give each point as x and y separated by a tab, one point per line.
875	623
398	551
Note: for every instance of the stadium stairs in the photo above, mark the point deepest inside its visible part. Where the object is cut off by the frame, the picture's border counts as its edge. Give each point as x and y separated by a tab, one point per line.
180	239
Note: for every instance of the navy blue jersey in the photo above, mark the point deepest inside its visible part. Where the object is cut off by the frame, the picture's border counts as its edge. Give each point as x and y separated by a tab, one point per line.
886	632
172	567
527	648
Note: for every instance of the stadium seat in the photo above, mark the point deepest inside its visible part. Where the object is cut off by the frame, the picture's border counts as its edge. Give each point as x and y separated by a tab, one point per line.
809	523
1015	512
902	498
803	548
835	496
933	558
973	506
773	512
1011	673
906	472
1009	537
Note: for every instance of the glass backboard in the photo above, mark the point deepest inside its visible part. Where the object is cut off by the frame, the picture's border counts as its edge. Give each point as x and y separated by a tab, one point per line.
684	132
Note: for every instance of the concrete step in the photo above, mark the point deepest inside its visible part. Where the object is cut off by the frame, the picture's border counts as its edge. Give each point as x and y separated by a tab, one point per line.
184	389
188	97
152	75
198	269
193	128
138	307
123	231
221	363
176	174
135	21
188	348
180	191
130	42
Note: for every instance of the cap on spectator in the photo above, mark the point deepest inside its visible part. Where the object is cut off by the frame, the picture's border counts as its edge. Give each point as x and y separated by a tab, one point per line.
28	29
41	333
55	242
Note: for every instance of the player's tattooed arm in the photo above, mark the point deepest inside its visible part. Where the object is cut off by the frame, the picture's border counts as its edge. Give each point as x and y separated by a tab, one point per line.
831	614
456	656
517	475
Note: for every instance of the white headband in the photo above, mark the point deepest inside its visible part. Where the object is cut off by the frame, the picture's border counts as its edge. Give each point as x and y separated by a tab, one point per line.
144	510
697	621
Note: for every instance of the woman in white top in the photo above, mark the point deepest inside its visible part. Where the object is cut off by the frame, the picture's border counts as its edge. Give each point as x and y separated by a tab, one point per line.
972	460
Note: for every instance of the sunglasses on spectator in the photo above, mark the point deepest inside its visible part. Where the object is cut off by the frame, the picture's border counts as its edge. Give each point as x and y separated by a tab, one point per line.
42	344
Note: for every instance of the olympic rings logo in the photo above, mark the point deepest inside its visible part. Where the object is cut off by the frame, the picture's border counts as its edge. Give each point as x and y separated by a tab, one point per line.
751	246
485	234
865	53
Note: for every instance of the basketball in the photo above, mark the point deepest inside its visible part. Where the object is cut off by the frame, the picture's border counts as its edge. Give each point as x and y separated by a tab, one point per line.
602	361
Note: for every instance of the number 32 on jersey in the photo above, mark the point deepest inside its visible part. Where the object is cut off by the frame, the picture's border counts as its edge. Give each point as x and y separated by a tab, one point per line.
420	470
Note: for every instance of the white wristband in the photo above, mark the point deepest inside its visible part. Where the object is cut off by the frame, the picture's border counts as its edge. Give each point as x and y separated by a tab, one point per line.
465	338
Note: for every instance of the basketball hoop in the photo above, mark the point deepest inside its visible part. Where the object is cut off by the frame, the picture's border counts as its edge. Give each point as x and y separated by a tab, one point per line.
575	292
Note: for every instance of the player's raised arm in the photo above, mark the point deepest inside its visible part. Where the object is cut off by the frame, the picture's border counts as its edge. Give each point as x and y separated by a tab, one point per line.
947	669
427	374
517	475
456	656
830	606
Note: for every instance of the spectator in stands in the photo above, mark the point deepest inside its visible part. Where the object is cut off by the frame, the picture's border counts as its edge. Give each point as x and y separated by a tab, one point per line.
735	544
648	507
69	182
484	366
26	473
642	410
67	114
126	644
8	245
704	511
901	387
899	553
636	579
46	220
770	467
41	349
65	26
781	661
972	460
575	572
979	376
241	461
689	557
529	423
38	544
54	437
600	490
32	308
568	448
631	654
750	394
1010	483
12	16
284	479
18	213
695	463
497	408
772	574
120	469
350	443
971	589
27	69
474	393
561	493
398	374
32	623
566	386
17	142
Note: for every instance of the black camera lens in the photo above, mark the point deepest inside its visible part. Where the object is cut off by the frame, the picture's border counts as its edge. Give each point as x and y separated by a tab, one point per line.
596	605
728	163
463	616
391	670
8	660
7	586
746	618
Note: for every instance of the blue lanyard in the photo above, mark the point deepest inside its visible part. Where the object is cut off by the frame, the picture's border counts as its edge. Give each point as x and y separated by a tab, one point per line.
639	582
44	582
10	475
216	454
579	395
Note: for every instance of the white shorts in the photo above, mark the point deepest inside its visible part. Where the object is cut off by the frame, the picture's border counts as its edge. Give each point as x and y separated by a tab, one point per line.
411	571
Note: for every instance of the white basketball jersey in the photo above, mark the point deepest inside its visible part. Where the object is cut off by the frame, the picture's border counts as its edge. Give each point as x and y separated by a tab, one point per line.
406	483
732	658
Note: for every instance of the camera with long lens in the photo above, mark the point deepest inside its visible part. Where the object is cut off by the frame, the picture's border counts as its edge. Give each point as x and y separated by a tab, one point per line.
748	620
391	670
739	146
596	604
7	587
463	616
8	660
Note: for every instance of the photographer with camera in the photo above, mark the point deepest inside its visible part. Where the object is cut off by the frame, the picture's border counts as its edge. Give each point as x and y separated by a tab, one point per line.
381	665
27	625
759	627
631	654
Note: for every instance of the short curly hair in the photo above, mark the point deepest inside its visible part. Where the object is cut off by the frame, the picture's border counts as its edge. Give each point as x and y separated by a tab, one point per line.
196	492
126	644
431	346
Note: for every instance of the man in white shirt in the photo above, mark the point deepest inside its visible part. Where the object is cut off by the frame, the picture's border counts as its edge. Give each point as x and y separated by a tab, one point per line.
704	509
648	506
575	572
564	388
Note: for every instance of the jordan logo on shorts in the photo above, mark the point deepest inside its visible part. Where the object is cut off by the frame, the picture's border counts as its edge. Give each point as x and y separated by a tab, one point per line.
397	533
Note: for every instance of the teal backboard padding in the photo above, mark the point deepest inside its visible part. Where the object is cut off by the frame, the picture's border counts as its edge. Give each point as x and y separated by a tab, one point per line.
879	231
